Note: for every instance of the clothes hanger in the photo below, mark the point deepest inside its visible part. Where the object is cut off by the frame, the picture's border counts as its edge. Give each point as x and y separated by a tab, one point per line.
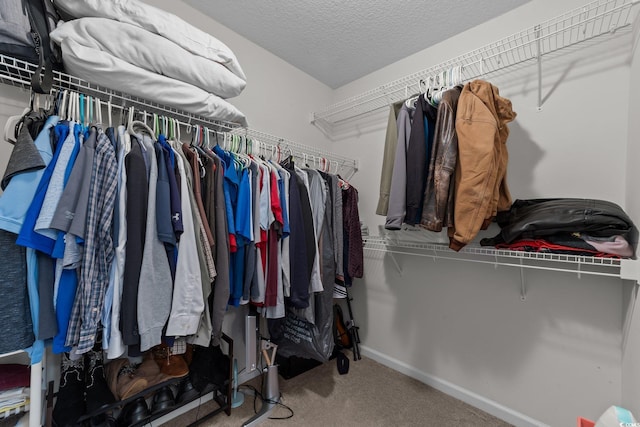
93	114
69	106
132	114
72	107
81	110
99	110
109	112
63	104
155	124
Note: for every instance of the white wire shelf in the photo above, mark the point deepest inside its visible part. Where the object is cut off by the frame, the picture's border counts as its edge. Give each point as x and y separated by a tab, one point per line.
595	19
18	73
608	267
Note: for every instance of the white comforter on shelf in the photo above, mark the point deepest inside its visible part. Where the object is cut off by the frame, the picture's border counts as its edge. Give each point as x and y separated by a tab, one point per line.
102	68
159	22
152	52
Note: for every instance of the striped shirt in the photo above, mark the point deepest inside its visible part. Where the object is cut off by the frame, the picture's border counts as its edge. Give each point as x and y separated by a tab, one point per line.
98	248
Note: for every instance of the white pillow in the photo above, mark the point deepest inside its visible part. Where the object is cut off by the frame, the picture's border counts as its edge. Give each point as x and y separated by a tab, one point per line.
106	70
159	22
152	52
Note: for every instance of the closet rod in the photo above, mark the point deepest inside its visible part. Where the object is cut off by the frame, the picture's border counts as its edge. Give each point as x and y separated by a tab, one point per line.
16	72
594	19
272	146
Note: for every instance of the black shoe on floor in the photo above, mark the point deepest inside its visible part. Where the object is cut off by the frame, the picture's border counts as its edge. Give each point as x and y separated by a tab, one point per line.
162	400
133	413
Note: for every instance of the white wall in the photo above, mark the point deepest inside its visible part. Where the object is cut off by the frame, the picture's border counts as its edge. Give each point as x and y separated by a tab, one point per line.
631	354
558	354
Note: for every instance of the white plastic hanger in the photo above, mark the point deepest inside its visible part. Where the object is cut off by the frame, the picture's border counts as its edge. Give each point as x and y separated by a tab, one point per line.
109	111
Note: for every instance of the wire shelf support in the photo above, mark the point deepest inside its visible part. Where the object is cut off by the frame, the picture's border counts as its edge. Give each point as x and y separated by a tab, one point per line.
595	19
16	72
604	267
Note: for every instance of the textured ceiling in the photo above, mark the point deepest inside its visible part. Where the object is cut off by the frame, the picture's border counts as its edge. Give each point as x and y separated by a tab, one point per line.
338	41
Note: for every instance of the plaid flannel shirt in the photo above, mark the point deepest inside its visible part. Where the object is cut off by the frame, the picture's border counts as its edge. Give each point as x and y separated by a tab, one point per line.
98	248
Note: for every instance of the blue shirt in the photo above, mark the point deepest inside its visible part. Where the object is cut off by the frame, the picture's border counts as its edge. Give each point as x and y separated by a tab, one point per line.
18	195
58	249
28	237
283	202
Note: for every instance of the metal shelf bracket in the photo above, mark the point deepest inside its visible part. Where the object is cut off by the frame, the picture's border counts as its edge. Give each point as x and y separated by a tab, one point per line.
523	285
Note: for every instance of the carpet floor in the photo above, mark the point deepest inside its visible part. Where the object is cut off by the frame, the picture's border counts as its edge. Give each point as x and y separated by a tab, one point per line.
370	394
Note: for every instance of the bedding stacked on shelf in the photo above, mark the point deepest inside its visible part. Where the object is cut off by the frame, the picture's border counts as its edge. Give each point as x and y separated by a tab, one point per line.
565	226
138	49
14	389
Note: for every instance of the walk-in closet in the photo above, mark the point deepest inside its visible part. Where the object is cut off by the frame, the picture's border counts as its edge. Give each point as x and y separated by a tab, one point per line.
310	214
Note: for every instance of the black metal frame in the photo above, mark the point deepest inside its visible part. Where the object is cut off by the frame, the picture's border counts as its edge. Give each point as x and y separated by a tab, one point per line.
221	396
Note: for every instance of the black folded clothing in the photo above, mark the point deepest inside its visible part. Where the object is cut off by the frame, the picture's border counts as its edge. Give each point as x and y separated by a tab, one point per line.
538	218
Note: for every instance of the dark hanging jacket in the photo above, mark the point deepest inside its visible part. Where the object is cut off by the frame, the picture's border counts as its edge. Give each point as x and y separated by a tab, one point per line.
418	153
137	195
300	268
437	210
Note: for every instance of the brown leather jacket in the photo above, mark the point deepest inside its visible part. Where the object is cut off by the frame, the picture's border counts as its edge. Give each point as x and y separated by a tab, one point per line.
481	187
437	209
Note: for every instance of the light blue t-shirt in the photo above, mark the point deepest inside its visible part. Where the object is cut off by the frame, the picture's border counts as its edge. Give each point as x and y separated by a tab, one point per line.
17	197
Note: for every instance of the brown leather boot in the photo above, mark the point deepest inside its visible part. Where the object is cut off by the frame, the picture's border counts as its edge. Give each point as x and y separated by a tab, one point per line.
172	365
150	371
122	380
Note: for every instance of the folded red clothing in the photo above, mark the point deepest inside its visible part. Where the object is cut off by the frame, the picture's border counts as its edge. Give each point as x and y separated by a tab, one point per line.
541	245
14	376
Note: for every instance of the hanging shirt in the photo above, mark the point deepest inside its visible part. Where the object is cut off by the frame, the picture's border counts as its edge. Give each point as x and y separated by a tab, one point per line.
243	235
71	211
137	189
98	248
300	271
397	193
221	290
286	263
353	234
18	287
59	246
155	286
64	134
28	236
174	193
115	343
274	272
251	251
17	197
312	242
187	304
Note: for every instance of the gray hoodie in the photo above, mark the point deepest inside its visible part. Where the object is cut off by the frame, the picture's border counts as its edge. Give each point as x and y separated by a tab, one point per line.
155	286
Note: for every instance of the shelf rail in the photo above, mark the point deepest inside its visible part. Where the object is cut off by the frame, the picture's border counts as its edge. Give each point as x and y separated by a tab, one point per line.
16	72
314	157
607	267
595	19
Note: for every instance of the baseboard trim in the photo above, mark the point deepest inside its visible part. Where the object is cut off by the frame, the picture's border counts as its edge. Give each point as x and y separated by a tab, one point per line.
494	408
